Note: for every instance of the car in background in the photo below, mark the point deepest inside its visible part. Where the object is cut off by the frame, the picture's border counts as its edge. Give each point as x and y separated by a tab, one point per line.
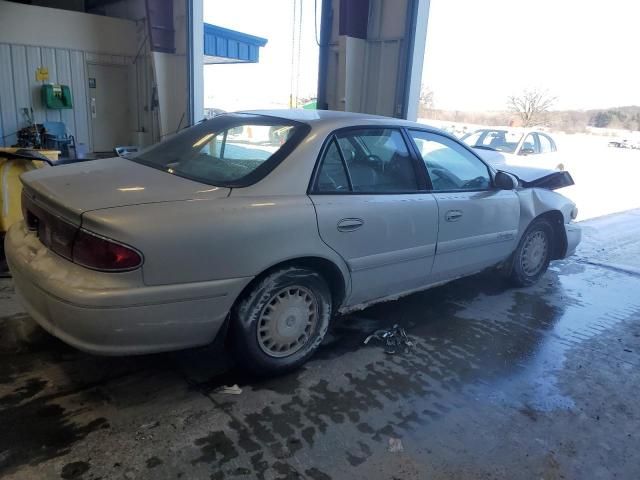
212	112
226	229
528	148
618	144
625	143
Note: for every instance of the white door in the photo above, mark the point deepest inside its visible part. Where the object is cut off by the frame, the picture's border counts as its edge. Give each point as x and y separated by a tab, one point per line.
478	224
109	106
372	211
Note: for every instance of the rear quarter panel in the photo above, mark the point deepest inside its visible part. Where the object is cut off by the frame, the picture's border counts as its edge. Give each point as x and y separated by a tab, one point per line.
233	237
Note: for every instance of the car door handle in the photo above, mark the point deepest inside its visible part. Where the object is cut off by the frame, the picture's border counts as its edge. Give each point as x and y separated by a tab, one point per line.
453	215
349	224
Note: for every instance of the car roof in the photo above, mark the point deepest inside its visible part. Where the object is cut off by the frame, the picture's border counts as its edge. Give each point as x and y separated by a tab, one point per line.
522	130
334	118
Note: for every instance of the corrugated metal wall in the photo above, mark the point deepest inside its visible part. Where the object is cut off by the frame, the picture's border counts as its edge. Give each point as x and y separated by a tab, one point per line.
19	88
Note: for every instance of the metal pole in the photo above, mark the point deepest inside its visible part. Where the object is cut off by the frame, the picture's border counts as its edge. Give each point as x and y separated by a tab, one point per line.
190	62
326	20
195	60
417	22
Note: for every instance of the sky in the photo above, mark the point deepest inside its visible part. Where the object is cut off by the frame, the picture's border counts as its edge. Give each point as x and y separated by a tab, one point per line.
585	53
266	84
477	53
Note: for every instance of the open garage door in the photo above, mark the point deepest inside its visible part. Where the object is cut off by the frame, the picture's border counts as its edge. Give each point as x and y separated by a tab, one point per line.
371	55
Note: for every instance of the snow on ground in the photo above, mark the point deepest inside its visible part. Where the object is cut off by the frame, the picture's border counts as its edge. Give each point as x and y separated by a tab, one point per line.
607	179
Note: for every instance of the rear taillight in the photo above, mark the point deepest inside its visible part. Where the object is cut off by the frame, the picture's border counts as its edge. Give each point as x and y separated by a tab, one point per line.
59	234
54	232
76	244
100	253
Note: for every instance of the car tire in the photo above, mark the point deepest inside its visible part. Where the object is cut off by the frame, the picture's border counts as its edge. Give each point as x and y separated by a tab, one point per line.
279	324
531	258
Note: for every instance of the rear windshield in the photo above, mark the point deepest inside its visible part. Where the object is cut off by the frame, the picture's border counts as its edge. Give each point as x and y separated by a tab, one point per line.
228	150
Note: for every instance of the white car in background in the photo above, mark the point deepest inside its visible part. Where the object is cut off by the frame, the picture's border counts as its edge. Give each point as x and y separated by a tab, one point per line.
515	147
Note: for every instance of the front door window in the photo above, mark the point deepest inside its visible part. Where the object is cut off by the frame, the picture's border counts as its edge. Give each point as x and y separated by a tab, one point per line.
450	166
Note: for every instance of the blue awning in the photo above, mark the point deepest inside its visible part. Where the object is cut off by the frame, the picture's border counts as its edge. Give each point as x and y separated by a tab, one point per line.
222	45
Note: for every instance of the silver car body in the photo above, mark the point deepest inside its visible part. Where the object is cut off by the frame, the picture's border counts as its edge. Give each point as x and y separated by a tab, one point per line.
539	157
203	245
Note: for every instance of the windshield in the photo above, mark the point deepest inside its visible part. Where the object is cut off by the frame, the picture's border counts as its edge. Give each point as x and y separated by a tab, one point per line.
498	140
228	150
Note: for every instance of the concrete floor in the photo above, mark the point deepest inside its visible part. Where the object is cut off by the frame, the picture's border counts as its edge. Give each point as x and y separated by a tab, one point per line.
531	383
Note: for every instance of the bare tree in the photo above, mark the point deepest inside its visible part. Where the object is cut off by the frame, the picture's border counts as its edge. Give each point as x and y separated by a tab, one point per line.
426	97
425	102
531	106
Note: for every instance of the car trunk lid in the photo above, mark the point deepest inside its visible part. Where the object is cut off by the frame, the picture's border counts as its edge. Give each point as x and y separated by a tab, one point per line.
71	190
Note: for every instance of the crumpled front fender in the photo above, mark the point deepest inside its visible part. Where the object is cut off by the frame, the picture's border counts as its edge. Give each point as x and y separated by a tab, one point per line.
538	201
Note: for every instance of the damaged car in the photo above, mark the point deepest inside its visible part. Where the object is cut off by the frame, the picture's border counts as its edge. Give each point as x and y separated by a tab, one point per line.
224	229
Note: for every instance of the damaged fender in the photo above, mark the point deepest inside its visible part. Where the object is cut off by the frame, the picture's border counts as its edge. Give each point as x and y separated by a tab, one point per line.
529	177
538	201
537	197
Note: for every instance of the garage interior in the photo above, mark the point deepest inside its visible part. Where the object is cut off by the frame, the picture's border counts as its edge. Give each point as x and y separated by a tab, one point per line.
536	382
124	62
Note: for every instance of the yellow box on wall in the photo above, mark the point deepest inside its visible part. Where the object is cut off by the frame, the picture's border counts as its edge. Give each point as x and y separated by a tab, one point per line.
42	74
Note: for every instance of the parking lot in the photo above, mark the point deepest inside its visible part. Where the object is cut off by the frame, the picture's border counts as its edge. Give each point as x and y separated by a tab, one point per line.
509	383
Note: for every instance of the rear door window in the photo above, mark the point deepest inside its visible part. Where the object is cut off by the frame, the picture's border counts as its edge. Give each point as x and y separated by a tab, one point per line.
375	160
546	144
333	176
530	145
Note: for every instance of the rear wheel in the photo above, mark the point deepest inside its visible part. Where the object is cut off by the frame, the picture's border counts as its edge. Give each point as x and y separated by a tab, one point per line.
531	258
281	322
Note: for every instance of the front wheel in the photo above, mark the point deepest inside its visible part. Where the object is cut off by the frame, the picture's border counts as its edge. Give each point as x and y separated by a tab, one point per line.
531	258
281	322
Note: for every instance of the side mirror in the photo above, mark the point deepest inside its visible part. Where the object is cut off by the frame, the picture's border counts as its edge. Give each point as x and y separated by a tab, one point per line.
504	181
526	151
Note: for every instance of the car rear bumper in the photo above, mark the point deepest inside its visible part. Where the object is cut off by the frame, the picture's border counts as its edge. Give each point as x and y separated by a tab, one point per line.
574	235
114	314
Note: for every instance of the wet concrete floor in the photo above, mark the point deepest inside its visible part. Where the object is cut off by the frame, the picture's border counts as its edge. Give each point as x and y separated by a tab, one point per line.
503	383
